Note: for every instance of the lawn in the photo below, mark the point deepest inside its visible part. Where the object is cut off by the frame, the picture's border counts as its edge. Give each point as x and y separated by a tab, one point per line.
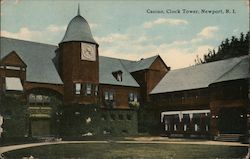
129	151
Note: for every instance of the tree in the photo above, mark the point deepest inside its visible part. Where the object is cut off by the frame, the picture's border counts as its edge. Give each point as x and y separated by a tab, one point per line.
227	49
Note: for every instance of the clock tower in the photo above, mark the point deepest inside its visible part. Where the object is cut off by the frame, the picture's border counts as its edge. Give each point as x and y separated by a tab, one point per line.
79	63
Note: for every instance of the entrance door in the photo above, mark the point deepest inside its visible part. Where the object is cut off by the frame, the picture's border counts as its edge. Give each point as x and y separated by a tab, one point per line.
231	121
40	127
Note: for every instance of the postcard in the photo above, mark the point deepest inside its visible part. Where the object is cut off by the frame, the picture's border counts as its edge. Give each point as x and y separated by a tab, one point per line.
124	79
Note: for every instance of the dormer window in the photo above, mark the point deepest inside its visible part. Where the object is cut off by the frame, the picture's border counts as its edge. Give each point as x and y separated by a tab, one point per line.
118	75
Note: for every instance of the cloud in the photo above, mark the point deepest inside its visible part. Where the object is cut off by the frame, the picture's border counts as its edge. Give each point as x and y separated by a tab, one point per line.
93	25
174	56
45	35
164	21
55	28
208	32
24	33
115	37
136	45
180	58
177	54
17	2
13	2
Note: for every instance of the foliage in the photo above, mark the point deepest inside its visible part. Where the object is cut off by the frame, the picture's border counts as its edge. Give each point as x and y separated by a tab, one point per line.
227	49
14	111
81	120
134	105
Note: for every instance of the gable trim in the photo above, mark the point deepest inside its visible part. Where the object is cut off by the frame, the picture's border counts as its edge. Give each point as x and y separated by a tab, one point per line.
2	62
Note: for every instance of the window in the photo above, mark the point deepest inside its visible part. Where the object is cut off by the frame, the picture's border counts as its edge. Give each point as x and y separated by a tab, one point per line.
88	89
77	88
118	75
96	90
133	97
111	96
32	98
106	95
38	99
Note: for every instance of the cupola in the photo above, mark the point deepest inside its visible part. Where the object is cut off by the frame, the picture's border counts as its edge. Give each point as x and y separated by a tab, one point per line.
78	30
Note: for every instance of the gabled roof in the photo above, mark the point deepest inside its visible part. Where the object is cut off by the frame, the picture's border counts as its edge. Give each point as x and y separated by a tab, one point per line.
38	58
41	63
133	66
239	71
201	76
109	65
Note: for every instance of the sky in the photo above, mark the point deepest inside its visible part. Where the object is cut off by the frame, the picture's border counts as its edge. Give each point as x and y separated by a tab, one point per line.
132	29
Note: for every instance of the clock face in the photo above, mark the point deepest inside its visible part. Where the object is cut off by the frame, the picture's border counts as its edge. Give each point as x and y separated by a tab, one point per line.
88	52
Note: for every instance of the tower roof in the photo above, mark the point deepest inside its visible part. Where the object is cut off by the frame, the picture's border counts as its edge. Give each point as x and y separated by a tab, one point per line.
78	30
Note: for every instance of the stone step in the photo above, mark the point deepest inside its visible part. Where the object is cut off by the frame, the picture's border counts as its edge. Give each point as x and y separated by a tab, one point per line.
228	137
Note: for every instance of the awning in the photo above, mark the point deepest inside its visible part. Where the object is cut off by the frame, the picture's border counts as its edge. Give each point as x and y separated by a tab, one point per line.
13	84
180	113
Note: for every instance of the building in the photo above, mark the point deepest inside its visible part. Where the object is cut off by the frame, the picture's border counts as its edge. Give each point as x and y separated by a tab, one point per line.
70	90
207	99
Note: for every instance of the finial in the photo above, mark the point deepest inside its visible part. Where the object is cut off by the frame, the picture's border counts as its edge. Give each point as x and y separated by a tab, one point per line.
78	11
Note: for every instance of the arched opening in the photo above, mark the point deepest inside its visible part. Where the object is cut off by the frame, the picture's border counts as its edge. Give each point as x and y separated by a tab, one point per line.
232	120
43	112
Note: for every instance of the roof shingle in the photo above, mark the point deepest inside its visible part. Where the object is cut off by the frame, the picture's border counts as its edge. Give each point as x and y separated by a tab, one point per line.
201	76
133	66
38	58
41	63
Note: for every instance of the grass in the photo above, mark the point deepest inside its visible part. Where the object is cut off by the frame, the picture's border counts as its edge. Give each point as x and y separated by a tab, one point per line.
129	151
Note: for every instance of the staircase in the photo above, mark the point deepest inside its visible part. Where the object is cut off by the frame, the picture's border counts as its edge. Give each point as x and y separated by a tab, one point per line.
228	137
